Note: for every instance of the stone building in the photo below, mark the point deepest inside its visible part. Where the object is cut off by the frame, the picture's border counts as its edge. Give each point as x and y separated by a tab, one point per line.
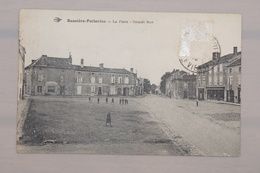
50	76
104	81
234	81
212	77
181	85
58	76
21	58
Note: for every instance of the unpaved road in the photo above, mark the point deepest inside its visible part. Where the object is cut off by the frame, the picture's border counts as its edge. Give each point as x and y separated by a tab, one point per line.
150	125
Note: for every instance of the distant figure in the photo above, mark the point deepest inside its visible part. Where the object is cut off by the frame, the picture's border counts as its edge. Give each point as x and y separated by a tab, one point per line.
89	100
123	101
108	119
120	101
106	100
126	101
98	100
112	101
197	102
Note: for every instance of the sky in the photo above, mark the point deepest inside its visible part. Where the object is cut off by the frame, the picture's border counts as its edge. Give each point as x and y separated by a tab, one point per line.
127	40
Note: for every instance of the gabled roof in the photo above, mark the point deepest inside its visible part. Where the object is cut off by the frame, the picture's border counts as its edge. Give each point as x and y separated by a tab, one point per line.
223	59
64	63
235	63
51	62
102	70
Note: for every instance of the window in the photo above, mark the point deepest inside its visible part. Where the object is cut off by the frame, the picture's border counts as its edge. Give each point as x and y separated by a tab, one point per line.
220	80
210	80
215	69
92	89
126	80
119	80
40	77
220	67
113	79
93	79
61	78
39	89
100	80
230	70
199	82
185	85
51	88
79	79
230	80
215	80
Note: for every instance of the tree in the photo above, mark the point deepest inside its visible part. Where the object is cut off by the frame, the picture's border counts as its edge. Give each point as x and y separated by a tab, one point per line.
153	88
147	85
163	81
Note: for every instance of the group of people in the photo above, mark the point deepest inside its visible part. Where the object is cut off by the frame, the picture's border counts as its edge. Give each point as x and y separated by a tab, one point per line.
121	100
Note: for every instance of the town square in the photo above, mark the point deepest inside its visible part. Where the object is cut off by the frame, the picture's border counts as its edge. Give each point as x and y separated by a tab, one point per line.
139	92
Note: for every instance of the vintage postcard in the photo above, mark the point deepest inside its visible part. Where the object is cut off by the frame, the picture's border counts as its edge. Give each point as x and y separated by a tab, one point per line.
132	83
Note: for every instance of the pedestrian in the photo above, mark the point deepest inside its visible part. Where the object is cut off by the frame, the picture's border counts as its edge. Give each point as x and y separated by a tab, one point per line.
112	101
108	120
120	101
197	102
106	100
98	100
123	101
89	100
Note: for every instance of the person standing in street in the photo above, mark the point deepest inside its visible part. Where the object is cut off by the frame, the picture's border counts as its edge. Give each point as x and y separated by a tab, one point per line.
108	120
112	102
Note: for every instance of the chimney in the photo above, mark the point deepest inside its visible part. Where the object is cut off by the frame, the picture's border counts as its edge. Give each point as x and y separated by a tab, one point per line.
82	62
132	70
101	65
44	59
215	55
70	58
235	51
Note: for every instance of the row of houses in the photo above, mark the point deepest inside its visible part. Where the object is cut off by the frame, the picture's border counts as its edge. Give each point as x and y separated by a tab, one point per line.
58	76
218	79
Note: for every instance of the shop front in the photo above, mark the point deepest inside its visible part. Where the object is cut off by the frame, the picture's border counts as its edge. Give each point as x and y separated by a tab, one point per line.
216	93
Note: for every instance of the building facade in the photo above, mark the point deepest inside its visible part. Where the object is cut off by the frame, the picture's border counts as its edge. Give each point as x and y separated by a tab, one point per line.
212	77
234	81
21	58
58	76
104	81
181	85
50	76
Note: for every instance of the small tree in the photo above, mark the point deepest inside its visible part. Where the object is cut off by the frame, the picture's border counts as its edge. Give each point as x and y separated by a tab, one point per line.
147	85
163	81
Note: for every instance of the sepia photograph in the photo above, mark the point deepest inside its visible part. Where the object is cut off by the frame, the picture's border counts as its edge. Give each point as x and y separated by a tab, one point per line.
129	83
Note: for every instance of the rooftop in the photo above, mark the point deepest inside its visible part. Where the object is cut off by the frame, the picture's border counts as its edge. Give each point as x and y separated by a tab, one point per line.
65	63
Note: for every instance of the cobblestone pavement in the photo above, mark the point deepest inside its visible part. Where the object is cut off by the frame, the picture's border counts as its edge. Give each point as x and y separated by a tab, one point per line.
210	129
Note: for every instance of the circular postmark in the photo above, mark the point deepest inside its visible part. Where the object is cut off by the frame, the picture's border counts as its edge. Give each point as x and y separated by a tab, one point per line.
202	55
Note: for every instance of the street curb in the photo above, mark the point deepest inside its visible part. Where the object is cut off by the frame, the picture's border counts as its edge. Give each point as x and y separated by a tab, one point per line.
221	102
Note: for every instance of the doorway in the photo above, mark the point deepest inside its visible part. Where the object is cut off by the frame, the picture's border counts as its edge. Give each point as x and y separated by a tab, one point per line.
99	91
